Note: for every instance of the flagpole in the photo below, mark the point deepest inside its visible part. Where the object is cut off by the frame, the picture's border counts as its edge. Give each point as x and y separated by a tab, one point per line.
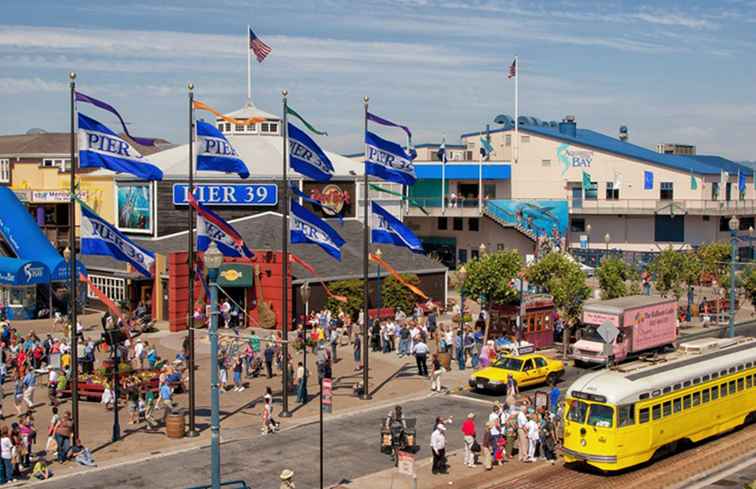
190	270
285	266
365	259
443	179
249	68
72	271
517	109
480	180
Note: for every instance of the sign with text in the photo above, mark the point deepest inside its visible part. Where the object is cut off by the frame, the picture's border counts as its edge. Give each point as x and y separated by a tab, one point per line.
597	318
406	463
326	399
264	194
337	197
573	158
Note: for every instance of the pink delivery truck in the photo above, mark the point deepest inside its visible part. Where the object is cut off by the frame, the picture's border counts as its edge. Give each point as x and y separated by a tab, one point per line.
644	322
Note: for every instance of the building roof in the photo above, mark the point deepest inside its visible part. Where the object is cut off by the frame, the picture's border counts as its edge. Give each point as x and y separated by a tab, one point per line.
262	154
249	111
263	232
438	145
621	304
703	165
55	144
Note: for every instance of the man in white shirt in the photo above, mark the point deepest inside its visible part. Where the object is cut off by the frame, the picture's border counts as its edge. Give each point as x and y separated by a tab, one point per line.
139	352
532	429
438	447
522	440
420	350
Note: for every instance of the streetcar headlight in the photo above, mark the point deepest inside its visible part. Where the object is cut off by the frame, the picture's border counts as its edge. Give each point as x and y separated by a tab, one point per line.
583	442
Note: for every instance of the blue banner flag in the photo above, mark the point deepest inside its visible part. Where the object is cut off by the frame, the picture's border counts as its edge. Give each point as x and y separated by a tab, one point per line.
99	147
387	229
387	160
98	237
741	181
306	157
648	180
212	227
306	227
215	153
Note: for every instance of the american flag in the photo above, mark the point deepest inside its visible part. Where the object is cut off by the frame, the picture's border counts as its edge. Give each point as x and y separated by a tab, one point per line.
258	47
512	69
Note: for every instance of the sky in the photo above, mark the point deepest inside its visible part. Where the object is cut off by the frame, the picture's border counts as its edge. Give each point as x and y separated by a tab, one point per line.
679	71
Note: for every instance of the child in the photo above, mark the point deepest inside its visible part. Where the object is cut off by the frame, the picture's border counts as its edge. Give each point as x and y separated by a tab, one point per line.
41	471
141	407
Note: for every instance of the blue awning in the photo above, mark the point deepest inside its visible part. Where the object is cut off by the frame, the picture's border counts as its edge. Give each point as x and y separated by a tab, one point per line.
27	241
464	171
15	272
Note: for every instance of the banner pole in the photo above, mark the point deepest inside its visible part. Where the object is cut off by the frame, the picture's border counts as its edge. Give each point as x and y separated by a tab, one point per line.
73	284
285	265
249	68
365	260
190	263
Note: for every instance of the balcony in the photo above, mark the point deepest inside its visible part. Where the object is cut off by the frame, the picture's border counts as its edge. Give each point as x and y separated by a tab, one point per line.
654	206
432	208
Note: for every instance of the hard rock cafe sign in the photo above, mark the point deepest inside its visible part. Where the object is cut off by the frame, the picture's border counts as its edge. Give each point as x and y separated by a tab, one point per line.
332	197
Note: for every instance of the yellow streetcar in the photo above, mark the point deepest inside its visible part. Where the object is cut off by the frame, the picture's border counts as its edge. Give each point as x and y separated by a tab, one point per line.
620	417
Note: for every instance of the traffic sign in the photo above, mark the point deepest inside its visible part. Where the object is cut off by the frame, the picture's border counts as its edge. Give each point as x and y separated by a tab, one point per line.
406	464
608	332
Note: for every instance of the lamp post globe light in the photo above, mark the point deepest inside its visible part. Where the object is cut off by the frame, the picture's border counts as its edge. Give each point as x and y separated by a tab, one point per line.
734	225
304	292
213	259
607	240
482	249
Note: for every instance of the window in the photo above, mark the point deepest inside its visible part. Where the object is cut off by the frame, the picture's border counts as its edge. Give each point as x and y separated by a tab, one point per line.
113	287
669	228
749	381
656	411
48	163
643	415
61	163
546	163
528	365
462	255
474	255
508	140
602	416
697	381
489	190
540	362
677	405
626	415
705	395
696	398
457	223
525	139
666	191
591	193
667	408
714	393
611	192
473	224
239	128
715	191
5	171
264	127
577	225
728	192
740	384
443	224
252	128
686	402
273	127
723	390
577	412
732	387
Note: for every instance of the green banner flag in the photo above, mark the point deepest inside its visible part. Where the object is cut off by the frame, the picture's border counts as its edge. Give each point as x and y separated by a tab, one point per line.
693	183
400	195
293	112
587	185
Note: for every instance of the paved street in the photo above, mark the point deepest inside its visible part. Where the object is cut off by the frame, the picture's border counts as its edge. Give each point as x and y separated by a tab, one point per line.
352	450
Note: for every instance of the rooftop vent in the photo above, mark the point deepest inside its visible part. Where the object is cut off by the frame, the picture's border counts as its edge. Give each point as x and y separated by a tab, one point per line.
623	134
568	127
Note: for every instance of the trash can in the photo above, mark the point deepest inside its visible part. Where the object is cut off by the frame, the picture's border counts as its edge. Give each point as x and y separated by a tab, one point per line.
175	424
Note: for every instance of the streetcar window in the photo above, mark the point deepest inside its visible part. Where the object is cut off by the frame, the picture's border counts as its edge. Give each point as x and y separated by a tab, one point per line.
696	398
732	387
643	415
724	389
656	411
740	367
732	370
627	415
686	383
602	416
678	387
749	364
667	408
686	402
705	378
667	390
577	411
714	393
723	373
749	381
697	380
715	375
677	405
643	396
705	395
740	384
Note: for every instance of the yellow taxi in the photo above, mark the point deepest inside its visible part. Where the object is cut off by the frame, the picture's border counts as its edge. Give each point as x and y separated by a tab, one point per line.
526	370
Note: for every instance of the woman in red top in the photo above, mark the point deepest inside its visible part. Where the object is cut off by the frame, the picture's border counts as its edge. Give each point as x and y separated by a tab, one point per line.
468	430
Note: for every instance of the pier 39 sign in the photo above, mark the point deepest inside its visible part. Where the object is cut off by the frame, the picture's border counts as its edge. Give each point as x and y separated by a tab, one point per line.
265	194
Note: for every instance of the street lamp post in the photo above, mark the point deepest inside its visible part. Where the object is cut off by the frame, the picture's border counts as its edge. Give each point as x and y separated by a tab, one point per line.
734	225
607	239
462	275
378	301
482	250
213	260
305	291
750	242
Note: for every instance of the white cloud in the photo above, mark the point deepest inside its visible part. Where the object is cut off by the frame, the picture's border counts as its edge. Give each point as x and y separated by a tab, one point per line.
15	86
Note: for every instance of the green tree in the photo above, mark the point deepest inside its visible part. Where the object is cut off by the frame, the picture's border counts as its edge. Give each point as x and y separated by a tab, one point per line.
491	275
395	294
613	274
669	272
352	290
715	261
565	281
748	278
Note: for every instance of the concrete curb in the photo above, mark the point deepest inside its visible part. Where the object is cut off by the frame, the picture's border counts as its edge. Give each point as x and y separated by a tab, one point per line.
702	479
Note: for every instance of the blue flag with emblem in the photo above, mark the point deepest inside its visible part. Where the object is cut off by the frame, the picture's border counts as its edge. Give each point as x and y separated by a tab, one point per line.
215	153
306	157
388	161
99	147
387	229
98	237
306	227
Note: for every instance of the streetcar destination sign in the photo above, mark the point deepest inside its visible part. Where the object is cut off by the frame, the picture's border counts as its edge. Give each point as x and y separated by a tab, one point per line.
265	194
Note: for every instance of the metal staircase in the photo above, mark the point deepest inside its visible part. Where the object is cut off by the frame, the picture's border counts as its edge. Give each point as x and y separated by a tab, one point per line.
490	211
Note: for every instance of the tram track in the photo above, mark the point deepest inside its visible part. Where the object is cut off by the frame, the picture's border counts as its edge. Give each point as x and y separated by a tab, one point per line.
669	472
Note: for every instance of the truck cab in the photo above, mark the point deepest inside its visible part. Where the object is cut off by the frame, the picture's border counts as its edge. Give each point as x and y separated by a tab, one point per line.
589	349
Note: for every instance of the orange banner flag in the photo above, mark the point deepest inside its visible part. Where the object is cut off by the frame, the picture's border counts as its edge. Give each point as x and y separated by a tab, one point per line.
199	105
102	296
397	276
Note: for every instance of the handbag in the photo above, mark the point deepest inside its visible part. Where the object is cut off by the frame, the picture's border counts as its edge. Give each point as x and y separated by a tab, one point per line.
475	448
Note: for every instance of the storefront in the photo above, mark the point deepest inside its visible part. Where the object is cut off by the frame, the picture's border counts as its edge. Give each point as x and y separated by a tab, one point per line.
537	320
18	287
